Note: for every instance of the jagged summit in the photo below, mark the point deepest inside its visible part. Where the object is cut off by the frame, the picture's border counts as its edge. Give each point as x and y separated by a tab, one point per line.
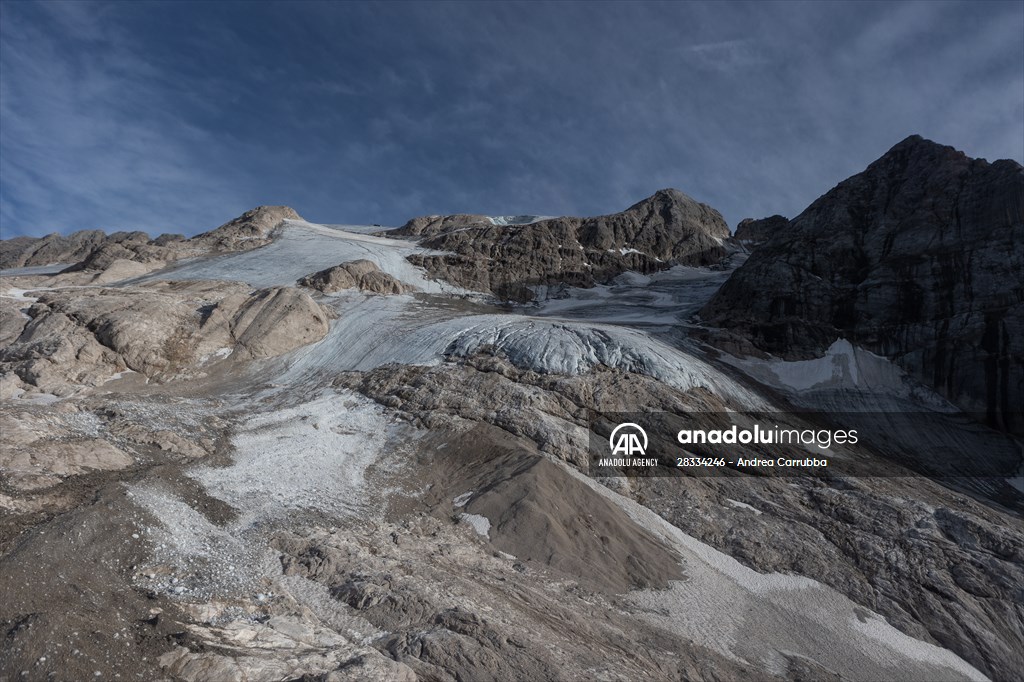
917	146
927	151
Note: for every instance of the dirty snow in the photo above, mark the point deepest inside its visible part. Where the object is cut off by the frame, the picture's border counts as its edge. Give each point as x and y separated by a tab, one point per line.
313	455
668	297
481	524
205	560
51	269
843	373
754	617
517	219
19	294
743	505
842	365
303	248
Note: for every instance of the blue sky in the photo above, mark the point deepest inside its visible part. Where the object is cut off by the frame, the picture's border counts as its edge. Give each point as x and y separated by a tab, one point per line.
179	116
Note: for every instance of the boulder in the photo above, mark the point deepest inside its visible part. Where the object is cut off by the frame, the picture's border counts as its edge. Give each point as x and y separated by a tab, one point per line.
362	274
275	321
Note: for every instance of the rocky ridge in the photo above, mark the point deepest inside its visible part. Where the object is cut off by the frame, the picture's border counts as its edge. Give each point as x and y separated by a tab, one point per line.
665	229
93	250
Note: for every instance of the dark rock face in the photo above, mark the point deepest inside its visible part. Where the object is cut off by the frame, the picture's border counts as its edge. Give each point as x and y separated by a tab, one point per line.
919	258
663	230
751	233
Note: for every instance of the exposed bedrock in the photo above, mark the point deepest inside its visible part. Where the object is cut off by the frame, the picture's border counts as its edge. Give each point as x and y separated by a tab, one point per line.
83	336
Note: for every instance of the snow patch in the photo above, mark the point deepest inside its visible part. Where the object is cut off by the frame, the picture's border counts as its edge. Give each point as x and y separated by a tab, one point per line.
743	505
302	248
517	219
219	354
843	370
37	398
481	524
667	297
19	294
118	375
310	456
752	617
462	499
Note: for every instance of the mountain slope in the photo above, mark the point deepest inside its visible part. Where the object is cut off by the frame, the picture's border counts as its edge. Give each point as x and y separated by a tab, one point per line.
409	495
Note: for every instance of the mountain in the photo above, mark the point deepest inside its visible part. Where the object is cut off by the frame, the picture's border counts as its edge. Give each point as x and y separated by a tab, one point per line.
283	450
666	229
919	258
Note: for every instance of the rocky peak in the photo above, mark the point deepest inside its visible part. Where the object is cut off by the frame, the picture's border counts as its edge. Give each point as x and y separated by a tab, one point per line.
670	208
916	146
248	230
53	248
667	225
919	258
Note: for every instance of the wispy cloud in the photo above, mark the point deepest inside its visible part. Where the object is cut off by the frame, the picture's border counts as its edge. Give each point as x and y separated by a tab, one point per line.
179	116
726	55
90	137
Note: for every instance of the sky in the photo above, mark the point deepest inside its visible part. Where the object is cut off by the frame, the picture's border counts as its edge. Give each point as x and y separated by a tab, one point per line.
176	117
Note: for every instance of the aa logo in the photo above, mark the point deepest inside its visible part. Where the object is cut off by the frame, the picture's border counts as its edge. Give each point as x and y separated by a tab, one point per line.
628	439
